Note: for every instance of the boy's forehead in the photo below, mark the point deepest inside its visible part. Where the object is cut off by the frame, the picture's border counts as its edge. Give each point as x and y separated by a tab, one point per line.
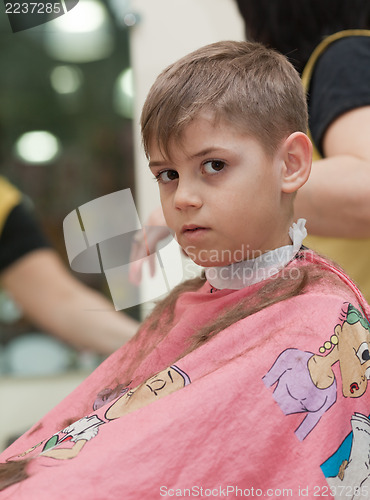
197	131
204	135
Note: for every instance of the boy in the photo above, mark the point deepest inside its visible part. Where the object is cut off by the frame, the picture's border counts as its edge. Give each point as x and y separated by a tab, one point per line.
225	390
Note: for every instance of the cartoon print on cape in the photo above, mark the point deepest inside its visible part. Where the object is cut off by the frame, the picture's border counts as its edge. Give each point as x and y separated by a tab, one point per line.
68	443
347	471
305	382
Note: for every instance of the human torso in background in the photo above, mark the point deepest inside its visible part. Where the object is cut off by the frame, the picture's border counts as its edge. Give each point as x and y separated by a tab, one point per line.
337	78
19	231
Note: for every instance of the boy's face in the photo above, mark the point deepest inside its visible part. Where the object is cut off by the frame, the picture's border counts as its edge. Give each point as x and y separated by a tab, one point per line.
221	193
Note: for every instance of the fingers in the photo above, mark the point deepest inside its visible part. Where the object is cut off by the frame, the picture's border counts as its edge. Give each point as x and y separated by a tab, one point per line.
144	245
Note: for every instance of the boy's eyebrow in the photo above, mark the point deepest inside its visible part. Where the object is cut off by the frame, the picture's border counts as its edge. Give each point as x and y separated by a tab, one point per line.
156	164
206	151
201	153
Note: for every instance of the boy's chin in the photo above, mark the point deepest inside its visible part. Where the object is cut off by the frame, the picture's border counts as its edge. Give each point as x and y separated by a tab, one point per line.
206	264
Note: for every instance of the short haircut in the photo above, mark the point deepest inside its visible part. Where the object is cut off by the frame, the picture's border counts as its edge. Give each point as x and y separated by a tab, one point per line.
253	88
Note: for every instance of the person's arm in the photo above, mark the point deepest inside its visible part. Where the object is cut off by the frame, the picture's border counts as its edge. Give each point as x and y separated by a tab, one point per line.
61	305
336	199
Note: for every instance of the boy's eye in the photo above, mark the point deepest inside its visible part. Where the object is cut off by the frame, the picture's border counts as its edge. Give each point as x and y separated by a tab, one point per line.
363	353
213	166
167	176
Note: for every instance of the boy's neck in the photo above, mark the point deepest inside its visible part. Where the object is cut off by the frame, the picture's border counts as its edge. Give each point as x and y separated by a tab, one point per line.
248	272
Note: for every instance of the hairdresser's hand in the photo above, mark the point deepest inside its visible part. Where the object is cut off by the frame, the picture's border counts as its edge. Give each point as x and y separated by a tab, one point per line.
145	244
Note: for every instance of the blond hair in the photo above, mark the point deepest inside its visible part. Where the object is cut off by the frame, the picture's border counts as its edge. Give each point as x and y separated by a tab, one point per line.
250	86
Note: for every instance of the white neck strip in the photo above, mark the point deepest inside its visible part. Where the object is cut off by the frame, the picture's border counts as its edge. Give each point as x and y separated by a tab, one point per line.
248	272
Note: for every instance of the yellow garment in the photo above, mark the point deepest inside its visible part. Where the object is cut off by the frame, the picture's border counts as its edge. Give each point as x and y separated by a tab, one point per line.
9	198
353	255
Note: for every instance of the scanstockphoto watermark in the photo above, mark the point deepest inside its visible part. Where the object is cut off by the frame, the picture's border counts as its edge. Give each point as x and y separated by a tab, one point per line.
214	256
227	491
105	236
249	265
27	14
141	264
318	491
245	274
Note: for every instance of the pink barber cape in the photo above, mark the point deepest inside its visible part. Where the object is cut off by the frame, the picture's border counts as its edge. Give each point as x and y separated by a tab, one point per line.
276	402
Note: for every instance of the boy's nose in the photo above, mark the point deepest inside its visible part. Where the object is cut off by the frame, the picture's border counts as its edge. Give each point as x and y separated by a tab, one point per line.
187	196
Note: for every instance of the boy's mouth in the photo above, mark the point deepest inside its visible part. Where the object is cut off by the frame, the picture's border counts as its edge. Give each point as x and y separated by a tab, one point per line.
192	228
193	233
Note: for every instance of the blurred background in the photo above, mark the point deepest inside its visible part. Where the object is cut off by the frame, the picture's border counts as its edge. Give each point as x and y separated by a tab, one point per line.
71	91
66	94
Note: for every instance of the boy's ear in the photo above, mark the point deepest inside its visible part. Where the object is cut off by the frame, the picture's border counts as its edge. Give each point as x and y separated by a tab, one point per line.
297	156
